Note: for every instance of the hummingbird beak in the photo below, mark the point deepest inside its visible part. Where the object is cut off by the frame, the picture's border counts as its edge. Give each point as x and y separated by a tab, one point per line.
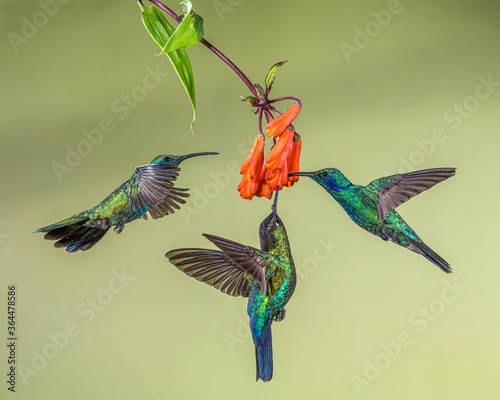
181	159
309	174
274	208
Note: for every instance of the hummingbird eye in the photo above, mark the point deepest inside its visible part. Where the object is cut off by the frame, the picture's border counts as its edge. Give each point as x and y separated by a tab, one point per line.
324	174
278	221
167	159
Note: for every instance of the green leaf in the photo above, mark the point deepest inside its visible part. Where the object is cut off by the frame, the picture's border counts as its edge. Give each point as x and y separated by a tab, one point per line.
260	90
188	33
250	100
270	75
161	31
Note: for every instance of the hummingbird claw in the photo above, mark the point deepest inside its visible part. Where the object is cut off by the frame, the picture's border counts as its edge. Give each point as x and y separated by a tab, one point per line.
119	227
280	316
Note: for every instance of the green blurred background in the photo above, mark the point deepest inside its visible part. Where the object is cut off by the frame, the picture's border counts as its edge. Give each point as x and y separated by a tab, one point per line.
369	110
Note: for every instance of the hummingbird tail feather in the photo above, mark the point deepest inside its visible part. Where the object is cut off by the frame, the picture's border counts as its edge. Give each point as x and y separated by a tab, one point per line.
431	255
264	354
59	233
72	234
83	238
74	220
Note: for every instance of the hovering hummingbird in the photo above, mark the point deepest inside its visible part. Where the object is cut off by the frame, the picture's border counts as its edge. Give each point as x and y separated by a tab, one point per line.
150	189
372	206
266	276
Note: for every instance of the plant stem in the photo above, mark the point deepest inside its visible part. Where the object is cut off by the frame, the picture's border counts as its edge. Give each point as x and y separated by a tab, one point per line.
166	9
214	49
259	123
233	66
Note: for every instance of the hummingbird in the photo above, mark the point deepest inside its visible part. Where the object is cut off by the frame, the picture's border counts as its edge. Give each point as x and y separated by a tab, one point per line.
150	190
266	276
372	206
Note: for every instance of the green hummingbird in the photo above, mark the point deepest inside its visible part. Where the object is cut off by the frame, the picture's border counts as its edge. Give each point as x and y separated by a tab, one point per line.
266	276
372	206
150	189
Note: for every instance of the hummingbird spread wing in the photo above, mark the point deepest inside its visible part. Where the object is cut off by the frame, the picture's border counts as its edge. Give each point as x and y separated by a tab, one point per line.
394	190
151	189
250	259
212	267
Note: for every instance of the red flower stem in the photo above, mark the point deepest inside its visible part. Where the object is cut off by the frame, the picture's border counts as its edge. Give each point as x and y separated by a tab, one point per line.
259	124
286	98
233	66
211	47
269	116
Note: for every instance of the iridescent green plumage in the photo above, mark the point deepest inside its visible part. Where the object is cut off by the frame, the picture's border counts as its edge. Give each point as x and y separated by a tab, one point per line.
150	190
266	275
372	206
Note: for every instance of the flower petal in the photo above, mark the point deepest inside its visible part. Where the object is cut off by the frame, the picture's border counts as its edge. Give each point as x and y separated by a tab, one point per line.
245	188
264	190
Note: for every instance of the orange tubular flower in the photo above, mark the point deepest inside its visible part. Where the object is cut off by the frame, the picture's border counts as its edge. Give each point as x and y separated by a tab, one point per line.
264	190
276	170
278	125
279	153
261	179
294	160
252	169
